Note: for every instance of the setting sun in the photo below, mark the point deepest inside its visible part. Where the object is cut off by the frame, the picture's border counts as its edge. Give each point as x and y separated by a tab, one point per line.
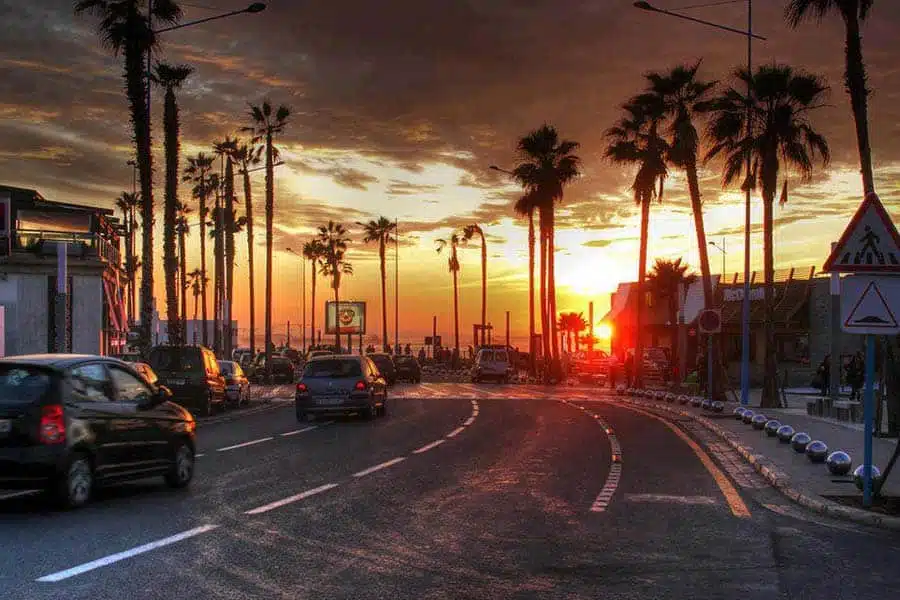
604	331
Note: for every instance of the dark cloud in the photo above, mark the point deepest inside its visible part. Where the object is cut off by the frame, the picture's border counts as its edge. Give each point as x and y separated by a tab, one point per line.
405	188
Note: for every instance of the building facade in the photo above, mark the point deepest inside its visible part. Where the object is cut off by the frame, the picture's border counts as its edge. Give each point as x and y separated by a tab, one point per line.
32	232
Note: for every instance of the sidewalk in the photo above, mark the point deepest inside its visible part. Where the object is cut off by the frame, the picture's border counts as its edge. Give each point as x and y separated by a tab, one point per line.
792	473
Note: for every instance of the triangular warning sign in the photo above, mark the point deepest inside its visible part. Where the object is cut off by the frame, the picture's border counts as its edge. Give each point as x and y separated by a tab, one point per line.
871	311
870	244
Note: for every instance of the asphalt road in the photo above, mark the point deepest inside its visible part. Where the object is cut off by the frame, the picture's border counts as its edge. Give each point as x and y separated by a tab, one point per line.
462	491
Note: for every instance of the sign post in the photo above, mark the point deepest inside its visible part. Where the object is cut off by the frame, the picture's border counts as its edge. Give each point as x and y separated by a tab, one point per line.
710	322
870	249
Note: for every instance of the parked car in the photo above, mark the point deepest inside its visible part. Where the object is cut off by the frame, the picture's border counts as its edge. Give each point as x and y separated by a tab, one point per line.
239	355
282	369
237	386
193	376
492	364
408	369
315	353
340	385
385	364
69	422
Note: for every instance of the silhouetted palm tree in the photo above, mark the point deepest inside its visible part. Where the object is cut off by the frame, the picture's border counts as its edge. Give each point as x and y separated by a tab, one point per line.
226	149
333	241
125	27
197	285
380	232
128	203
198	173
852	12
183	229
572	324
547	165
668	281
217	235
469	232
247	156
635	141
170	78
780	134
266	124
525	206
312	251
453	267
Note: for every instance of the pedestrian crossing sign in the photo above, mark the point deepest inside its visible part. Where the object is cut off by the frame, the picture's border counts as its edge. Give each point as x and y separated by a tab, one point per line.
869	244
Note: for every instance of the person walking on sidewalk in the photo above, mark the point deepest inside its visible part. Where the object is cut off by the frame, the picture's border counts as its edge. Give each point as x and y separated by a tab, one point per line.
856	375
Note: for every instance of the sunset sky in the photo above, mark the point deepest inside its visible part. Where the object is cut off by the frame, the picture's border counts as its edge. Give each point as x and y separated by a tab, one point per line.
400	106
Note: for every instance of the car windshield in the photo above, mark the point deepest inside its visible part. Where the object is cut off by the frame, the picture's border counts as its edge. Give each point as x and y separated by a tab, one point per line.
382	362
226	367
332	368
22	384
182	360
280	362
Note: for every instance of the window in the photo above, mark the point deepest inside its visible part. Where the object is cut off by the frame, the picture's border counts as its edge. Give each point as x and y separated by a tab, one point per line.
22	384
128	387
92	382
373	370
333	368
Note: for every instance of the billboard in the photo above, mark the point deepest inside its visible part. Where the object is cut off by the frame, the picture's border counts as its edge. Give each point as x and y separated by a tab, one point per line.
351	317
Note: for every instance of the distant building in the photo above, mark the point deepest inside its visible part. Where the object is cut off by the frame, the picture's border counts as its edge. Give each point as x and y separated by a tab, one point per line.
31	229
194	332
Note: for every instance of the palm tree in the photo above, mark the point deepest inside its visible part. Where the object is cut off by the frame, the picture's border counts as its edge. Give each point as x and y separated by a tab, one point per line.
246	156
469	232
170	78
852	12
380	231
217	234
333	241
453	266
525	206
312	251
266	125
780	102
198	173
683	95
183	229
667	281
635	140
572	324
547	165
226	149
125	27
197	285
128	203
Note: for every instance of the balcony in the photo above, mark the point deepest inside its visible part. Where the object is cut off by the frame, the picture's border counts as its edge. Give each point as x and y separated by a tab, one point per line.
44	243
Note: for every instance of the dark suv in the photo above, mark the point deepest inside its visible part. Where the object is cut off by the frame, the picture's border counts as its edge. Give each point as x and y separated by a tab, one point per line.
69	422
385	364
192	374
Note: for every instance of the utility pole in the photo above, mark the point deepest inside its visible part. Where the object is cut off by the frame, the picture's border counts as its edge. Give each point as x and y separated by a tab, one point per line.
507	329
591	329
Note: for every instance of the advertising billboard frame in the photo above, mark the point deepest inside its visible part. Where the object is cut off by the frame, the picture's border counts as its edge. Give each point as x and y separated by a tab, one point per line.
356	308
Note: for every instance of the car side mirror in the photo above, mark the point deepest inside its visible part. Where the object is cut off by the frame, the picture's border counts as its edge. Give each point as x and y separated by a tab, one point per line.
160	394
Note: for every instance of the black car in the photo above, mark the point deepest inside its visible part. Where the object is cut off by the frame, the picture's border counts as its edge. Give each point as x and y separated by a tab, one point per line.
408	369
340	385
282	369
192	374
69	422
385	364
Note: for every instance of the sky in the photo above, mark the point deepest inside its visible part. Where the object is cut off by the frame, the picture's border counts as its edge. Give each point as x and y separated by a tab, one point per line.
399	107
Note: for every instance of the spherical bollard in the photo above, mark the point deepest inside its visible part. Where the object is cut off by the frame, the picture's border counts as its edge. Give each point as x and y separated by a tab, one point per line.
670	397
759	422
785	433
738	412
772	428
620	390
706	404
696	401
660	395
682	399
748	416
839	463
718	406
800	441
876	478
816	451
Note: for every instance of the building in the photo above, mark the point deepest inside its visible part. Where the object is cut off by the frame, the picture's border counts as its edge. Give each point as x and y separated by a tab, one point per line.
194	331
32	229
802	318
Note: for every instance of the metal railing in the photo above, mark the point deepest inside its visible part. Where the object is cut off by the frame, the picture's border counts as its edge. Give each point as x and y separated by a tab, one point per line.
86	245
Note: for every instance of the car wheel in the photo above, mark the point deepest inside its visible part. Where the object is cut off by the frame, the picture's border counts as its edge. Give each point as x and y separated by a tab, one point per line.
74	488
182	470
207	410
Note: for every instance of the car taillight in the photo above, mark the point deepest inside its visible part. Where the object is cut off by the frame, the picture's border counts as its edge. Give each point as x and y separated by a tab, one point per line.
301	388
361	386
53	425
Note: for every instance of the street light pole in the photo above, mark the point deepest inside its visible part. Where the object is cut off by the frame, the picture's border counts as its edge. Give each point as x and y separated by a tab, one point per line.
745	305
396	286
302	289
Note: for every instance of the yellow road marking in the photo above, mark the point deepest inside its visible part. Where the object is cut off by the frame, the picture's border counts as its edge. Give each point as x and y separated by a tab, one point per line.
735	502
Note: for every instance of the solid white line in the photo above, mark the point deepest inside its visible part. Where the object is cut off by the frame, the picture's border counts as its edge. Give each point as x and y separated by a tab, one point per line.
455	432
379	467
296	431
468	421
245	444
428	447
289	499
113	558
18	494
199	455
670	499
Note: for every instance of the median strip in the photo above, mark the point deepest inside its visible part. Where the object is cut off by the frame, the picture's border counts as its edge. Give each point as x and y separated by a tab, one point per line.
302	495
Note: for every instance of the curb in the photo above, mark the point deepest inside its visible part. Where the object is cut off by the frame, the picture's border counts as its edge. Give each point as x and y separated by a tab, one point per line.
263	407
778	479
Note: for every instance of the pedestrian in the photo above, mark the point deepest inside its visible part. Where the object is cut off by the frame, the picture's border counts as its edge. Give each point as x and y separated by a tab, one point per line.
856	375
421	355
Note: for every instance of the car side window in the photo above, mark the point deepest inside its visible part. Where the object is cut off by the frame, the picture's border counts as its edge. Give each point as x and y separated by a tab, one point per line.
92	382
128	387
373	370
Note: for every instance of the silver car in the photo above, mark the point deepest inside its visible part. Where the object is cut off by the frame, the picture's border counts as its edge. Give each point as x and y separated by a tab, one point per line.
337	384
492	364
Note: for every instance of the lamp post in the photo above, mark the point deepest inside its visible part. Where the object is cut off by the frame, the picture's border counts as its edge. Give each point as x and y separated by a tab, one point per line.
745	305
724	254
302	293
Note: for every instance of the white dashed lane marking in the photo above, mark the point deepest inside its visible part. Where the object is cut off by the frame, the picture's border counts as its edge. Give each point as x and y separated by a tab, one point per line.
428	447
295	498
245	444
380	466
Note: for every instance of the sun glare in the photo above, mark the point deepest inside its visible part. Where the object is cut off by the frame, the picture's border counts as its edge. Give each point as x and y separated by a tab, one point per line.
604	331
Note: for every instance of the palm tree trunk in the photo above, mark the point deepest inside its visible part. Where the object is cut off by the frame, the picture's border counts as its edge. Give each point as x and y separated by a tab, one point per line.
196	297
639	310
456	311
769	392
313	302
140	120
270	218
545	325
182	257
203	278
384	327
531	240
219	269
855	79
248	202
673	327
337	305
170	215
702	246
551	279
483	288
229	254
